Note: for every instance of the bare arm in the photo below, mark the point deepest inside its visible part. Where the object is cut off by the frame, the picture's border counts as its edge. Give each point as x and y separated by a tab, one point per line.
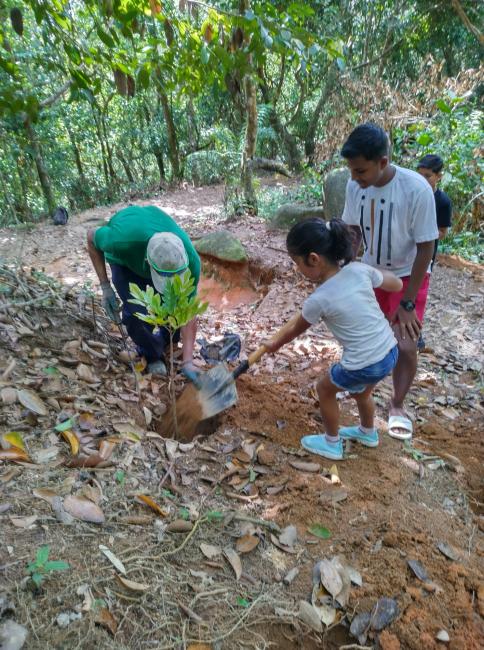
357	237
408	320
277	341
97	258
188	335
390	282
443	232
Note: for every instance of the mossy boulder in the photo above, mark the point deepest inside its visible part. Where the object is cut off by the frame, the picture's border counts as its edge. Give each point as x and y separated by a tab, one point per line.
291	213
335	192
222	245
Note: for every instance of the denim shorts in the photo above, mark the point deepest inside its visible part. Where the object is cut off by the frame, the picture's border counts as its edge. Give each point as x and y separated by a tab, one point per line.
356	381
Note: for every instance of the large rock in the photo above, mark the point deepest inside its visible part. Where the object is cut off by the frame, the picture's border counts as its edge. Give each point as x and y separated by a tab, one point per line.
334	192
292	213
222	245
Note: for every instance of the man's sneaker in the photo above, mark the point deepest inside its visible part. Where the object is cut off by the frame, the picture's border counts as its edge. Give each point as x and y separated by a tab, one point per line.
157	368
319	445
355	433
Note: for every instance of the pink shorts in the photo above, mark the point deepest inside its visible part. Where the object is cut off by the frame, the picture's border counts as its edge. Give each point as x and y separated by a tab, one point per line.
389	301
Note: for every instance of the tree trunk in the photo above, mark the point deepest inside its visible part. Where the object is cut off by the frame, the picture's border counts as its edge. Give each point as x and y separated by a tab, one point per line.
77	156
310	139
44	177
289	142
459	9
126	166
161	166
250	143
101	144
173	153
109	152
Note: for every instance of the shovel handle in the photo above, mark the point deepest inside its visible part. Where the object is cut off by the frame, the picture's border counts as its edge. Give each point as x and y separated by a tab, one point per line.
259	353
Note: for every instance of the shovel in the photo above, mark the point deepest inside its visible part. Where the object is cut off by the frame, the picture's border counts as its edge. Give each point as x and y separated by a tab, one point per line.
217	390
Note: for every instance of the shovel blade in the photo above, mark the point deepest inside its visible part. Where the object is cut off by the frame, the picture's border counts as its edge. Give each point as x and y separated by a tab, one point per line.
217	392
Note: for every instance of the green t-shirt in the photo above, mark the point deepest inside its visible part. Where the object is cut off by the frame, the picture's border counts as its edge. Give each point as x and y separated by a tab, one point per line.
124	239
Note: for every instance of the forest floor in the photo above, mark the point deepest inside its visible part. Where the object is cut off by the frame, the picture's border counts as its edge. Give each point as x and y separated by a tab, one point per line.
225	579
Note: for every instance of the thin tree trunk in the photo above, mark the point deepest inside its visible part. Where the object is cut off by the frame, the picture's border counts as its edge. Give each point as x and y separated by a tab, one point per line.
77	156
42	172
459	9
158	154
250	143
126	166
21	204
289	142
173	153
101	144
109	152
310	139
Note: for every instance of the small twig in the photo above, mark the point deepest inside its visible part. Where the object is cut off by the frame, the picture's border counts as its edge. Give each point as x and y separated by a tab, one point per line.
167	473
259	522
355	646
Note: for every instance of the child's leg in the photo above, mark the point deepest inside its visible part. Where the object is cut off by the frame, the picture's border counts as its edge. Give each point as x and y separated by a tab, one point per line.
329	445
328	405
366	407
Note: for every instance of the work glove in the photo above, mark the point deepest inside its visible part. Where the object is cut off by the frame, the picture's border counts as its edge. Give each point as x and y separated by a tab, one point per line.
110	302
190	372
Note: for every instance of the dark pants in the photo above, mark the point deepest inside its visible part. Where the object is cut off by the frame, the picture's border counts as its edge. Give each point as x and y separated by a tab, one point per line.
151	346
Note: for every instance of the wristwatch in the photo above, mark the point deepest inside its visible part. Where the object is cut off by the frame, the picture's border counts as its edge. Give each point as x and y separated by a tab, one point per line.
408	305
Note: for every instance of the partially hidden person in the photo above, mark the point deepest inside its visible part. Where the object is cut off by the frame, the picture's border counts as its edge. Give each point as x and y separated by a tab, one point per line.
144	245
430	167
391	210
345	300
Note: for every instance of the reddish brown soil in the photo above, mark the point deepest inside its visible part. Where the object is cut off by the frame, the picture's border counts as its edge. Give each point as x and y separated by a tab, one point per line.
393	512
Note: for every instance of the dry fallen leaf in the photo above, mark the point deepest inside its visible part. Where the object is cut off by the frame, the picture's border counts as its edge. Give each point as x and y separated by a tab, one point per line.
8	395
23	522
8	476
106	619
234	561
86	374
304	467
131	585
32	401
70	437
335	479
210	551
116	562
247	543
45	493
12	439
179	526
93	460
152	504
83	509
15	455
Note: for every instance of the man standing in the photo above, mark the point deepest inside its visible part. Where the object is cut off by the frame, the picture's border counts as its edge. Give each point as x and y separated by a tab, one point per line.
145	246
392	210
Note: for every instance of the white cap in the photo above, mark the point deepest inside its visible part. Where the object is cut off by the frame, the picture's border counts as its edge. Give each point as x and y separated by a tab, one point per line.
167	257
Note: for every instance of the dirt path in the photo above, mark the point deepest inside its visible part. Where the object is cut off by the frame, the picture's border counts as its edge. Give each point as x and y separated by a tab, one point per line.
393	507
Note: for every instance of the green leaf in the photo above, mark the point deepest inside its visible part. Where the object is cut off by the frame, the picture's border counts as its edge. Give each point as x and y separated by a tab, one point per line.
120	477
443	106
42	555
214	515
424	139
319	531
106	38
242	602
184	513
56	565
67	424
51	370
37	579
204	55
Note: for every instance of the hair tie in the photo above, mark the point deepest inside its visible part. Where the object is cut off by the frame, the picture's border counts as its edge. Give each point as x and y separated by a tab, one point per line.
328	225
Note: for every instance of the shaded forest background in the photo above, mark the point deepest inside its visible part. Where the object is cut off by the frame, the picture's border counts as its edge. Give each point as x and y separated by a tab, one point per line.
107	100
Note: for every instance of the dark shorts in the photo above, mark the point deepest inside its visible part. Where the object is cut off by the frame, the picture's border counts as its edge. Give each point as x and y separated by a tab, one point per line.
356	381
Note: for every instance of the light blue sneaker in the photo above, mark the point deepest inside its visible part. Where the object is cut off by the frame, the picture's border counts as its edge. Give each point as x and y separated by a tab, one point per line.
318	444
355	433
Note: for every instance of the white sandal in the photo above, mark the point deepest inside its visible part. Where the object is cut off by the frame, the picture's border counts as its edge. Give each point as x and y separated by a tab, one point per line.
400	427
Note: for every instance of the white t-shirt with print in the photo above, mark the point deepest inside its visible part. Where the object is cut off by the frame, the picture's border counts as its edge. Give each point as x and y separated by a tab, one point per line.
347	304
393	219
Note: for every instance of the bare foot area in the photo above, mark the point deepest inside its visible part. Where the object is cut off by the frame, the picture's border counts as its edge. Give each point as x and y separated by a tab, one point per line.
197	527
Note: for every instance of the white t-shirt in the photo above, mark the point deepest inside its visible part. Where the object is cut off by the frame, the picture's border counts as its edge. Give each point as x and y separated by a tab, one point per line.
393	219
347	304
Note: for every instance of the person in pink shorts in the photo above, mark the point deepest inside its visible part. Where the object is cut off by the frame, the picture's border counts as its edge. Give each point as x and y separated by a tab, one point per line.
391	210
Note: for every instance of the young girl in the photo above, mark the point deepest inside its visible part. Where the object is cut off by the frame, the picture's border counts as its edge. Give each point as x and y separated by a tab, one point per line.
345	300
